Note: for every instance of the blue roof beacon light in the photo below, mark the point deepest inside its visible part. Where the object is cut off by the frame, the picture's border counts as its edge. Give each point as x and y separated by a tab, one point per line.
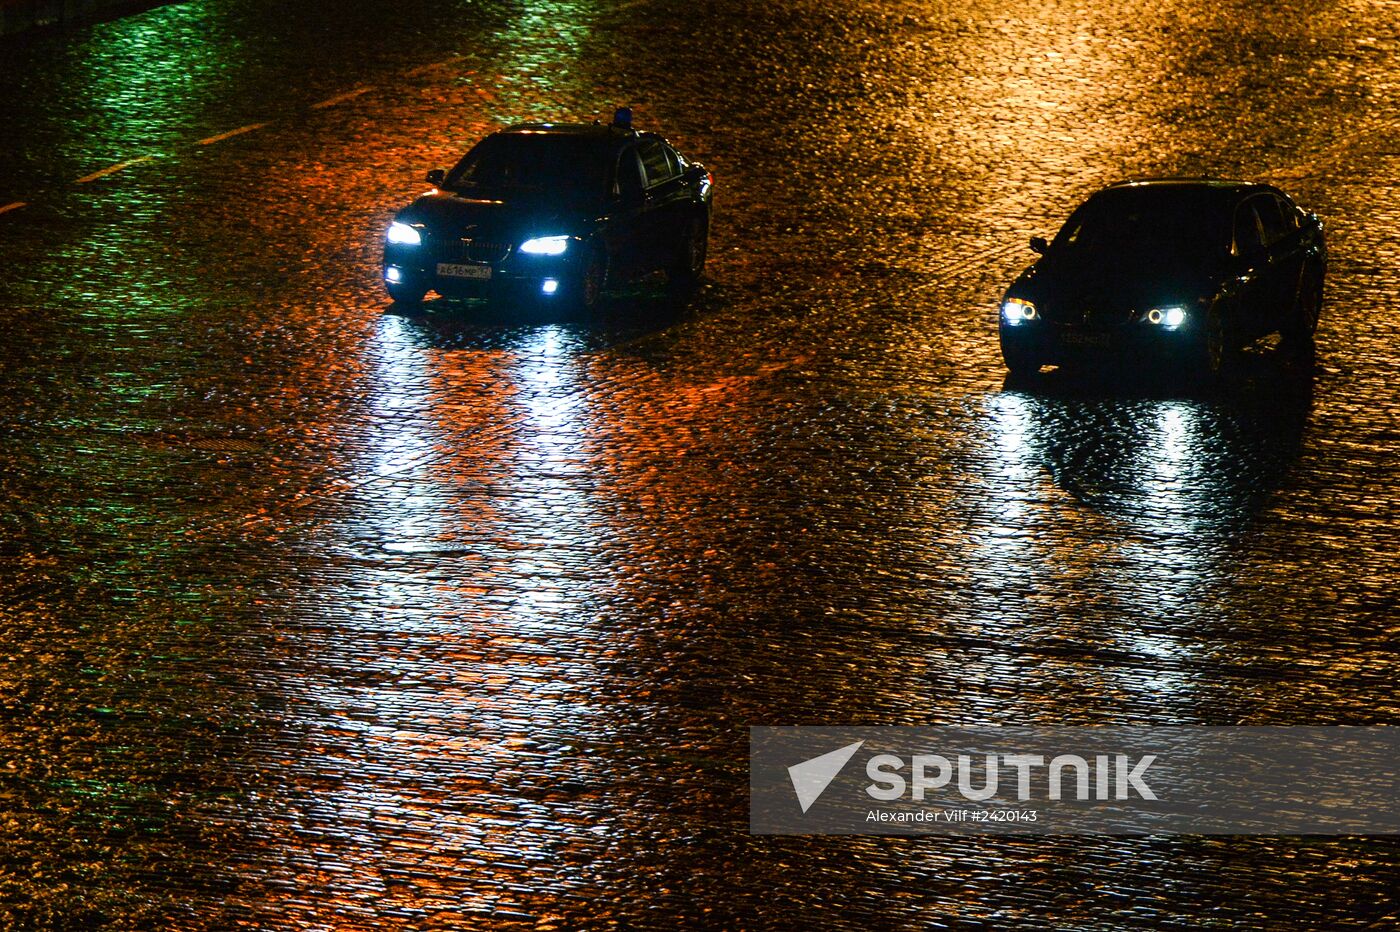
622	118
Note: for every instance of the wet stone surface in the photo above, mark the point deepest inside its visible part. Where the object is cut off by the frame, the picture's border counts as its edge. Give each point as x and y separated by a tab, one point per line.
322	615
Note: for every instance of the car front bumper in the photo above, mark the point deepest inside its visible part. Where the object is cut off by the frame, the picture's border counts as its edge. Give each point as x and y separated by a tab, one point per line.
517	275
1061	345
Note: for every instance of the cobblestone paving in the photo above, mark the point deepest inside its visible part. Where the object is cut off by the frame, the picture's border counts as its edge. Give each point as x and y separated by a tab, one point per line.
319	615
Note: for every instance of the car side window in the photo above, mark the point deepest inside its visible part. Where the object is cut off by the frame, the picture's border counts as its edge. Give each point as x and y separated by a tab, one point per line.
1248	237
629	173
677	160
656	166
1271	222
1288	212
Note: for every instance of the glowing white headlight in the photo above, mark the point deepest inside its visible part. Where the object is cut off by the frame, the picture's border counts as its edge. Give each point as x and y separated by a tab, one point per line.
1168	318
403	234
1016	310
545	245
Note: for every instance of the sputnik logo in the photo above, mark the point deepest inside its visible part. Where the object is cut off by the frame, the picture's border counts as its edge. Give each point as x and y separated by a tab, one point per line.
811	777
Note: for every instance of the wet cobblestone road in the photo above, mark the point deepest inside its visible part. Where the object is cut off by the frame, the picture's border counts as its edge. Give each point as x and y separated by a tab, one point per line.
319	615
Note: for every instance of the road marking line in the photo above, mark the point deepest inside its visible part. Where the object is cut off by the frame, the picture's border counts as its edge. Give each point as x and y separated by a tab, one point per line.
233	132
341	98
422	69
13	205
102	173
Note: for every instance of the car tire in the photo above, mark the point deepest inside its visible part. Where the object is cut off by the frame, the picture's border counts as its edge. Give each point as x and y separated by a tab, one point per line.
1019	361
1297	332
592	281
409	292
1215	351
688	266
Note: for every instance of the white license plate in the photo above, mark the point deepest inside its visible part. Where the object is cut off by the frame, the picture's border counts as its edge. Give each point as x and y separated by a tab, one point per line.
461	270
1076	338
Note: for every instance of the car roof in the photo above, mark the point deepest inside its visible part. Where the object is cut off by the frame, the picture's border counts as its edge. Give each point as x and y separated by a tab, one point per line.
598	130
1223	186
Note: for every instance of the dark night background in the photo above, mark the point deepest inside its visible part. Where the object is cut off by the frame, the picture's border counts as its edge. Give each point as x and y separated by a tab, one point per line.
321	615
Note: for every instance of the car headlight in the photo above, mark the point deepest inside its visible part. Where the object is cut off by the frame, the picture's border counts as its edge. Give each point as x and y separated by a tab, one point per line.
1168	318
403	234
545	245
1016	310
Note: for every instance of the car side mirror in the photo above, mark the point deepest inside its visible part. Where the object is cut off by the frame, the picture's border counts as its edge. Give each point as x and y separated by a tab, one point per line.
437	177
1039	245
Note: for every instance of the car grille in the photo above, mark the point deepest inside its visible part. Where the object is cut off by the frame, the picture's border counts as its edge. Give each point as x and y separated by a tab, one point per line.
469	250
479	251
1107	317
1093	316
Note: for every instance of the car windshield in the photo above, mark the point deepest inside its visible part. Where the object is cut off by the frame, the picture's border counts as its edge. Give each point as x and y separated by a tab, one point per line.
548	163
1148	223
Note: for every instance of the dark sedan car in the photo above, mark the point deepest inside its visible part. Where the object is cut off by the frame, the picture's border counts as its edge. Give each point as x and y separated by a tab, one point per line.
1175	270
555	212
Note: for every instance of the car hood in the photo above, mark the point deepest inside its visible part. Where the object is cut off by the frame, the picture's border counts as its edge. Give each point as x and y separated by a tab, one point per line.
1092	291
446	215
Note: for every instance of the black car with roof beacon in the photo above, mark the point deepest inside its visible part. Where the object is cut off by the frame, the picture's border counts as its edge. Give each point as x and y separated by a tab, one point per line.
555	212
1182	271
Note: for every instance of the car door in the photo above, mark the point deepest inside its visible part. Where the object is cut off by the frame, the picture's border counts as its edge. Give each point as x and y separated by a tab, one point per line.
1284	241
667	198
627	234
1252	282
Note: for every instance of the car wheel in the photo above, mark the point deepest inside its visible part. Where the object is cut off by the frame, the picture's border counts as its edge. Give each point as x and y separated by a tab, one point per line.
406	292
1298	330
1020	361
1215	351
689	264
593	281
